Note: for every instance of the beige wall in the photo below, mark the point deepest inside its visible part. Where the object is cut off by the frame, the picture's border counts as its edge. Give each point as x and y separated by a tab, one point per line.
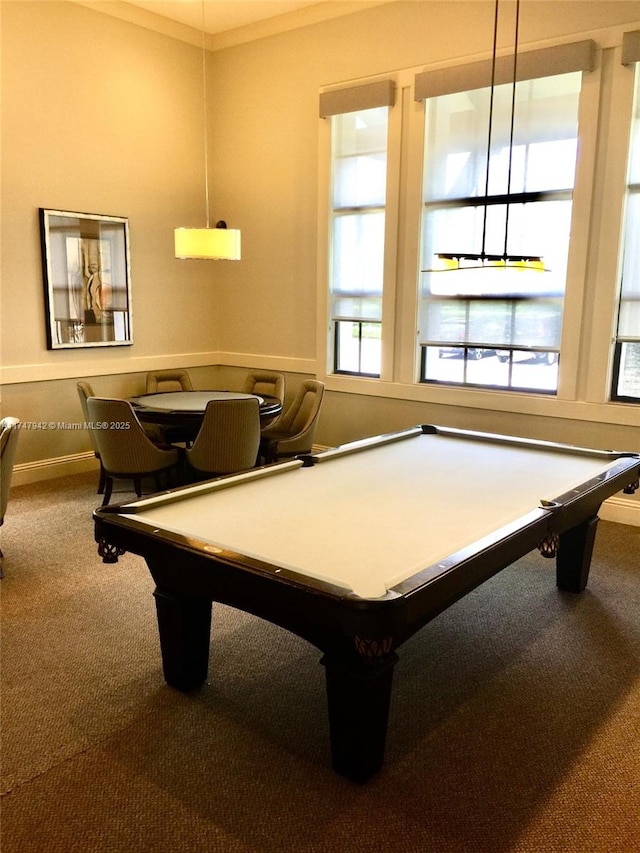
103	116
98	116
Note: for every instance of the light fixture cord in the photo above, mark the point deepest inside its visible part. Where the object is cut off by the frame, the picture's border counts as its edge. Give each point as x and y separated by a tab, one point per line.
493	81
204	113
513	116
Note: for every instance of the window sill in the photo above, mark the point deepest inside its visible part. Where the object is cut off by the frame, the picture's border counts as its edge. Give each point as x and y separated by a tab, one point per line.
541	405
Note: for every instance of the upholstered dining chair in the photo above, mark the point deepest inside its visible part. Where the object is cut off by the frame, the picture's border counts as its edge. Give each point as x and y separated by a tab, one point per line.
125	449
294	431
9	433
160	381
84	392
265	384
228	439
153	432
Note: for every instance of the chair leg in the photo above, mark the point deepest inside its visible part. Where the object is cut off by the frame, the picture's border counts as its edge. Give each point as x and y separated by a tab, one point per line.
137	484
175	475
101	480
269	451
108	488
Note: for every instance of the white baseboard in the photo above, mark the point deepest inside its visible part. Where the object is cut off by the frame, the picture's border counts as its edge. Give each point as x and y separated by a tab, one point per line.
619	508
49	469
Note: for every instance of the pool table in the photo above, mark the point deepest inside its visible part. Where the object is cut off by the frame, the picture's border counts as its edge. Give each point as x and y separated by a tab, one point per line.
358	547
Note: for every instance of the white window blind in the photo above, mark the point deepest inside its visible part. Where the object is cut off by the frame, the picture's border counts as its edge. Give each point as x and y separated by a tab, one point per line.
629	318
626	374
359	129
358	201
523	209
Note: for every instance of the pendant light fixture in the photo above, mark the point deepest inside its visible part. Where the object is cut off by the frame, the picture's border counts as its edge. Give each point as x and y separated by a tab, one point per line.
219	243
482	265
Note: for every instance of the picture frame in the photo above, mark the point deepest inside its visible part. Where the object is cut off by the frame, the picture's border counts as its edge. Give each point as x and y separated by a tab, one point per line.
87	279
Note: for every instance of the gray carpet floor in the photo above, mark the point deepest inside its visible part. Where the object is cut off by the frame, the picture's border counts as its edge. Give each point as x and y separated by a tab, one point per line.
515	720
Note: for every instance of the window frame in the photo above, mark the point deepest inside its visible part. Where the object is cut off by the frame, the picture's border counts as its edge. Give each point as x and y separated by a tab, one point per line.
346	99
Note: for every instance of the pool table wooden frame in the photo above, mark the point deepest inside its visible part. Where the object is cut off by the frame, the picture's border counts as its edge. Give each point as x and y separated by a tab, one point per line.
357	636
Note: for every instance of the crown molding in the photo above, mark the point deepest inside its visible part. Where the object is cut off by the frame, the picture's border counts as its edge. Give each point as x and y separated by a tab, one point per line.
307	16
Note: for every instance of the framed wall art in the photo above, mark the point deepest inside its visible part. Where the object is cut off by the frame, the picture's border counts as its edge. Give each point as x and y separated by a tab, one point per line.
87	279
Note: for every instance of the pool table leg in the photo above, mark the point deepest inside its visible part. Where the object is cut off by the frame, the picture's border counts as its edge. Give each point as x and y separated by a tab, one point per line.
573	560
185	626
358	698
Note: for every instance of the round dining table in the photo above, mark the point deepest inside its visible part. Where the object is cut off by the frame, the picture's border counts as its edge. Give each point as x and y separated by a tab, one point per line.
184	410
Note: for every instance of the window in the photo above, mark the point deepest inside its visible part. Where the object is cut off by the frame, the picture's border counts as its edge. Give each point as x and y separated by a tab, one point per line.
499	325
404	192
359	176
359	119
626	373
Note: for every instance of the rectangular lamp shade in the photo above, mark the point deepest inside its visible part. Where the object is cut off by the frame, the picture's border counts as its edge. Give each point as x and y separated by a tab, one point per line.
208	243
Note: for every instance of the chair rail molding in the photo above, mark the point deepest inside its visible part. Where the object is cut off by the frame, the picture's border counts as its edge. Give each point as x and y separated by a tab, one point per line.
78	369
